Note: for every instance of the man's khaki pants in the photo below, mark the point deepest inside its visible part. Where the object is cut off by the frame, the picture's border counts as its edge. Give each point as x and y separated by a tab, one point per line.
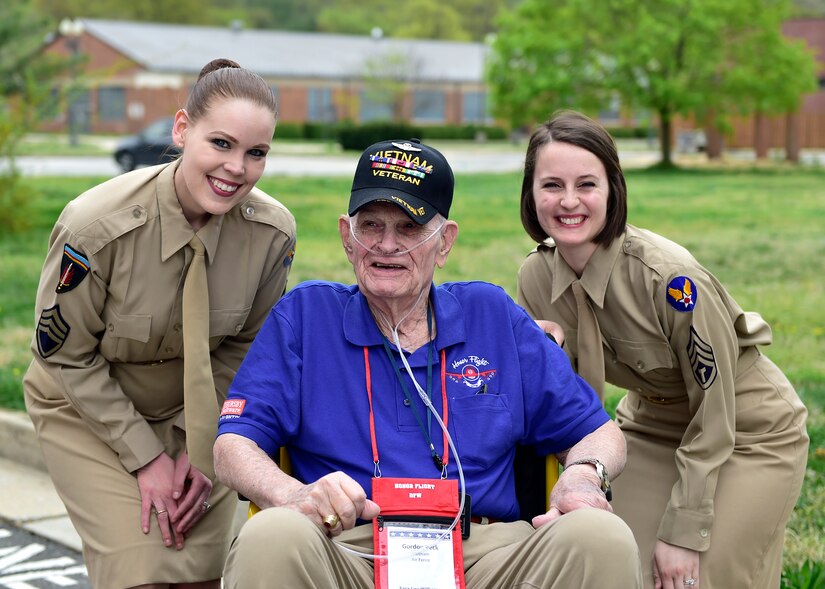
585	548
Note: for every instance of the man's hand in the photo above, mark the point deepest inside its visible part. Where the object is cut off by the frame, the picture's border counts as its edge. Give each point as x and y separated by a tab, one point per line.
334	494
577	487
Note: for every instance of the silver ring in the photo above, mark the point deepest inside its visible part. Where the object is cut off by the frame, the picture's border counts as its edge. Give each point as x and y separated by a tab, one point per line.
206	506
159	511
690	582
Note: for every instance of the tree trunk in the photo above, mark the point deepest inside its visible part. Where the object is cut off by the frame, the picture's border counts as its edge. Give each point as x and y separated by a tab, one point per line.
760	135
714	142
792	141
666	135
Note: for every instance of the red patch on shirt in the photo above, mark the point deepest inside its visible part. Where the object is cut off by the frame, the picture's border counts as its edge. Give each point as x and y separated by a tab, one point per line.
233	407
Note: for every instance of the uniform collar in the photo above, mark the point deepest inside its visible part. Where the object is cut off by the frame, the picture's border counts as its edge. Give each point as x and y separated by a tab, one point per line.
596	274
360	328
175	230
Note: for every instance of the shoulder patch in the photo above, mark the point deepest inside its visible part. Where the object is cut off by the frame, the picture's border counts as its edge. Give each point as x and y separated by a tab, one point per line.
52	331
73	269
290	255
681	294
702	360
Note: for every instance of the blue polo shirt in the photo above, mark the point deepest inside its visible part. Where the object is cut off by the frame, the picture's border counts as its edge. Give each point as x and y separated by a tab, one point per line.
303	385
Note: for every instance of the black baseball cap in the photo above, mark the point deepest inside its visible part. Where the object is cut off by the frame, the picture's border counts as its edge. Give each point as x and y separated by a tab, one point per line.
413	176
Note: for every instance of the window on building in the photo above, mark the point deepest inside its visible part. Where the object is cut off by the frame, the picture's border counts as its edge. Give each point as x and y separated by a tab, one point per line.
375	106
111	103
474	108
319	105
428	106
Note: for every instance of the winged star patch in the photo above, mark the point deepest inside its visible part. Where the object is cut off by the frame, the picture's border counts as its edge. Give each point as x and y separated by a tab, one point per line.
702	360
52	331
681	294
73	269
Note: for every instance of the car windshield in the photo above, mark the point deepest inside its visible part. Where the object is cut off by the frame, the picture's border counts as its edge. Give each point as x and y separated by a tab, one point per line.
159	130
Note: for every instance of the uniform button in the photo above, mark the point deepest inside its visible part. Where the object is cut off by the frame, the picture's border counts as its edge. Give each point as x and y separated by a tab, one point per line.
110	327
238	327
638	389
136	212
250	210
406	402
177	327
615	360
627	244
640	365
703	532
168	350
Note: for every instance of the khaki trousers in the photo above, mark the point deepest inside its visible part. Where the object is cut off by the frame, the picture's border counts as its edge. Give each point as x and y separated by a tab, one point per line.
585	548
756	492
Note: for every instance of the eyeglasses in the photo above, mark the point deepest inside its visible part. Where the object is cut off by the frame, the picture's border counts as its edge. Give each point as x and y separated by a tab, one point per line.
374	235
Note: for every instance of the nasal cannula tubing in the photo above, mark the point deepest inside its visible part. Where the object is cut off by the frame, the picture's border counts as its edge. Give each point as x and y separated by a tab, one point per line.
423	396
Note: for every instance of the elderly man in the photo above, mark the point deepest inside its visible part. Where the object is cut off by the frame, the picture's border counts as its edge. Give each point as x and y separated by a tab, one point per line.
398	401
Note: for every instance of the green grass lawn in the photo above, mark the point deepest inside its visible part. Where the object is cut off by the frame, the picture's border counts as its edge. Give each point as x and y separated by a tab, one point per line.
762	232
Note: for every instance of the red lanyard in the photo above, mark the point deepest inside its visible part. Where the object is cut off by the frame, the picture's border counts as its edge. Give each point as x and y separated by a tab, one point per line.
446	457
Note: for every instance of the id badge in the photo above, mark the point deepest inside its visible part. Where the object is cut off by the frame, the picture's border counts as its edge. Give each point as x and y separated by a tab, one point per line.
415	546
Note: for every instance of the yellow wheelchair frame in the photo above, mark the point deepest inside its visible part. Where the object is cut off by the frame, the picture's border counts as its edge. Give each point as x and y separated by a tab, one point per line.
528	465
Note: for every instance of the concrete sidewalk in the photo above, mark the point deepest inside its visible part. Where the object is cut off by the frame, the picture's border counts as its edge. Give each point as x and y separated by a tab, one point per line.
27	496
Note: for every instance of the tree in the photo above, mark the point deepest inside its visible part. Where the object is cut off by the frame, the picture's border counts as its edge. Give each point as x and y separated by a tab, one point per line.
179	11
26	96
671	57
422	19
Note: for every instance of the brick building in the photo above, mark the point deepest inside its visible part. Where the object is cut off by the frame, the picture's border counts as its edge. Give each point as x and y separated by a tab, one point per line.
138	72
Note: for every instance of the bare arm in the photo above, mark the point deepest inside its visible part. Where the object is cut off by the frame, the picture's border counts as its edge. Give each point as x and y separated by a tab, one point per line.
241	465
579	486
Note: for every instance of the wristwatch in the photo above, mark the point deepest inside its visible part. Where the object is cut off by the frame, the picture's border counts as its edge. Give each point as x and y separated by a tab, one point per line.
601	472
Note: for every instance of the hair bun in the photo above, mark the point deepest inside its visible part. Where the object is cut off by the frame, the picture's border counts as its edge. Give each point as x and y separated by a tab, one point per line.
217	64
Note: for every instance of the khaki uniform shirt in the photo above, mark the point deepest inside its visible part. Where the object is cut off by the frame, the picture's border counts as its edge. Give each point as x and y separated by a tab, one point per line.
109	336
676	349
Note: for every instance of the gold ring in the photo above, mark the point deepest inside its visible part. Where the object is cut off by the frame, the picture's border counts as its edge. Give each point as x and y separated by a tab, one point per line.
331	521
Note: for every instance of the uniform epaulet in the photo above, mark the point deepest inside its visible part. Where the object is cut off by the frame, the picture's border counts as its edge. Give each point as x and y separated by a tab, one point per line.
547	244
104	230
259	207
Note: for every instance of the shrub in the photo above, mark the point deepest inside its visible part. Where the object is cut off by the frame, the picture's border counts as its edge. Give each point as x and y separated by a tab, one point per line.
360	137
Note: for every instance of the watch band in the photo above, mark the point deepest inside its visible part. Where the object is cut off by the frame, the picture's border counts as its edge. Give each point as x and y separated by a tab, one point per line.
601	472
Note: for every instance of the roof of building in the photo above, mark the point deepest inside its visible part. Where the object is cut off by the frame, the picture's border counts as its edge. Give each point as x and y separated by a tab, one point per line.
177	48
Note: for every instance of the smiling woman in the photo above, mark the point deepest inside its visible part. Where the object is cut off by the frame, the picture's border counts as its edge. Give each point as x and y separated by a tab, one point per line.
138	337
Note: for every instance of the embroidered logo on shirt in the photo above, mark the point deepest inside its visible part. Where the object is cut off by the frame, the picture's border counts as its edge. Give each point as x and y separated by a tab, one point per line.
233	407
52	331
681	294
472	372
702	360
73	269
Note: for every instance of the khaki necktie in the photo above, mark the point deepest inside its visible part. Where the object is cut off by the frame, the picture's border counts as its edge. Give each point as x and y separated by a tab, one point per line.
200	403
590	353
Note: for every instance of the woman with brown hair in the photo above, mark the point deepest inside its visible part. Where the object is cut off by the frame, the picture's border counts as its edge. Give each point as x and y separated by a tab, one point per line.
715	433
153	288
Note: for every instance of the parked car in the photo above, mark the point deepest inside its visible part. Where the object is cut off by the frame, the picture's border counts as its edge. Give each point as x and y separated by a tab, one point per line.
153	145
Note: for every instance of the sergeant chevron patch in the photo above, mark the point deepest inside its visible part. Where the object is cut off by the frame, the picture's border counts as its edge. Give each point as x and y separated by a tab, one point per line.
702	360
52	331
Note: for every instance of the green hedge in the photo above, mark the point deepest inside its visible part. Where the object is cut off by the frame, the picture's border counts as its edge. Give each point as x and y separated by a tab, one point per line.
352	136
359	137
